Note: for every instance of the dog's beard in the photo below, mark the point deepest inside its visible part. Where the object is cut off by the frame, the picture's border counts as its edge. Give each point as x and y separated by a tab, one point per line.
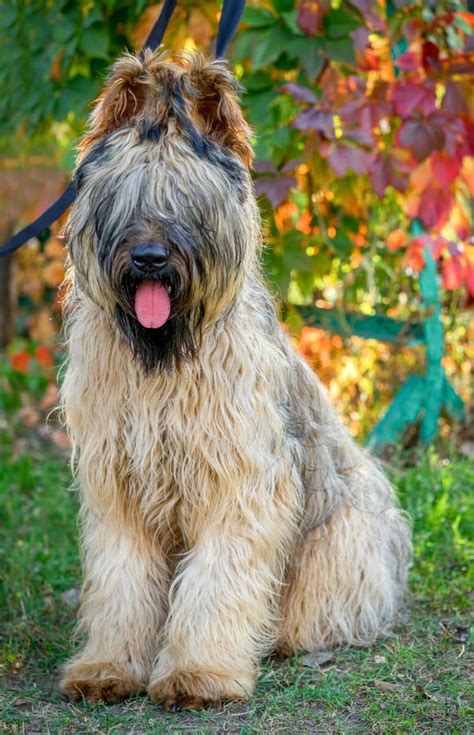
176	340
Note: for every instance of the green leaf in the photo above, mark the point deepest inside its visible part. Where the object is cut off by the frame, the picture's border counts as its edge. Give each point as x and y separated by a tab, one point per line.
77	96
259	108
339	50
245	43
64	30
95	42
94	16
283	6
258	17
339	24
8	16
309	52
291	21
270	47
257	81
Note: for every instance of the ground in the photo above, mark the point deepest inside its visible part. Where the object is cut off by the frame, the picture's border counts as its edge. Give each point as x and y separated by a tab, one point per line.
414	682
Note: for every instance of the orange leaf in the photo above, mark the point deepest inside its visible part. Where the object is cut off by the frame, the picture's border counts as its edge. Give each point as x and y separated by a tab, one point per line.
199	27
53	273
395	240
54	248
43	356
20	361
452	273
414	256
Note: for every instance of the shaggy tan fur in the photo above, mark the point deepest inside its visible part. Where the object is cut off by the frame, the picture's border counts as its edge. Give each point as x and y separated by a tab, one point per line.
226	511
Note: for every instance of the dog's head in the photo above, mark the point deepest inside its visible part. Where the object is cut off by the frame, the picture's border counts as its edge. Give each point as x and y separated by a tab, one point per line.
164	226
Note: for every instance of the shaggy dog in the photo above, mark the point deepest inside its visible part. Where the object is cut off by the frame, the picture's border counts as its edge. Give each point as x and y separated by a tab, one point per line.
226	511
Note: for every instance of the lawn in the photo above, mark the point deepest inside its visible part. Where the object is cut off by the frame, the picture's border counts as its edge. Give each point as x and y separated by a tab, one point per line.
414	682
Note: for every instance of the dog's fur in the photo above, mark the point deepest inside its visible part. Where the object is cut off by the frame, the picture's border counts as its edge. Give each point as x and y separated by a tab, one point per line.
226	511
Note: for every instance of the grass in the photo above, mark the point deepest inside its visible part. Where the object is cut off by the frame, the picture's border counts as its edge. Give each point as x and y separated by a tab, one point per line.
414	682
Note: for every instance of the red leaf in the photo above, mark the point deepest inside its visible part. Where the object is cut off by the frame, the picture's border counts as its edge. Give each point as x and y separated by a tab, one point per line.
264	167
452	273
453	101
445	168
409	61
437	245
422	137
311	15
299	93
275	188
366	112
368	10
359	135
343	158
430	55
319	120
456	132
435	206
470	278
350	111
408	96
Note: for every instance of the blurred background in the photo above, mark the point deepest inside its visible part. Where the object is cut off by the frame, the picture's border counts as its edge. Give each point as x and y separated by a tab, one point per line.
362	114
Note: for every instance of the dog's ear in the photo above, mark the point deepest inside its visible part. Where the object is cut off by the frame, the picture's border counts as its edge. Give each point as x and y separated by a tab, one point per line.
216	106
122	99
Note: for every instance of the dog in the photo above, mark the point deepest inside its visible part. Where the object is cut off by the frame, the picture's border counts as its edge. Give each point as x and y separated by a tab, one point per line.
226	512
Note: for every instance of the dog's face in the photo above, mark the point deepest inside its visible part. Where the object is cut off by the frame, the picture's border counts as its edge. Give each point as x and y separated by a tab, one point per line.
164	226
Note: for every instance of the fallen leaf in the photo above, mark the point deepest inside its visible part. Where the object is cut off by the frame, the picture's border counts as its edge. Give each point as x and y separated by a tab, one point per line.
72	597
317	659
384	686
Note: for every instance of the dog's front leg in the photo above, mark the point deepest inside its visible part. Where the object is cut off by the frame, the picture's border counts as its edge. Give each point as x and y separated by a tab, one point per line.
221	615
122	610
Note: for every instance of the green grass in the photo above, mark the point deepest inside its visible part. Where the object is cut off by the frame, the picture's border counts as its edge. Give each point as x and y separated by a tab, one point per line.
414	682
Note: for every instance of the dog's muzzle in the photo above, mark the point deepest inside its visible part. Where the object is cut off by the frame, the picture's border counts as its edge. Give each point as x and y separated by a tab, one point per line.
152	298
151	258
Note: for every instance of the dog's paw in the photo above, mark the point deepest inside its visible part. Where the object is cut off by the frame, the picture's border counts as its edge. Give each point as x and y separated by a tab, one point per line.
193	689
98	682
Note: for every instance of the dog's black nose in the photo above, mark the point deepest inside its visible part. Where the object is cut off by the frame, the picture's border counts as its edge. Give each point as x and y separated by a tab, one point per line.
150	257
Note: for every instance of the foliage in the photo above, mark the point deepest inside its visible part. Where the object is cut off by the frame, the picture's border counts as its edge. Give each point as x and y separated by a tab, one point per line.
351	146
413	682
54	56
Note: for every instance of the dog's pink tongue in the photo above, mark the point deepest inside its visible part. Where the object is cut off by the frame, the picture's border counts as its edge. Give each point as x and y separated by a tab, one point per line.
152	304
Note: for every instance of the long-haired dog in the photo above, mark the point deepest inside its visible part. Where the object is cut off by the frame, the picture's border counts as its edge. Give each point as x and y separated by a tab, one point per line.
226	511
